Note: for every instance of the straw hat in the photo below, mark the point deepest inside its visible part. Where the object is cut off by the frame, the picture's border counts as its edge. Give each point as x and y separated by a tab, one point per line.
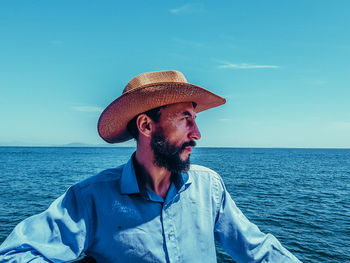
147	91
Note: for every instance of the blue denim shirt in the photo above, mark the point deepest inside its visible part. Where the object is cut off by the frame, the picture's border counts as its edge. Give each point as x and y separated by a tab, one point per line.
109	217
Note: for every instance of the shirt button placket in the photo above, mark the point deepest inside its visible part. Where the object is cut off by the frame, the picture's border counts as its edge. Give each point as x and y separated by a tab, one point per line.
170	234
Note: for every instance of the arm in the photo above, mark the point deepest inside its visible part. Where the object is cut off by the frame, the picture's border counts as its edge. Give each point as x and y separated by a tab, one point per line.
243	240
56	235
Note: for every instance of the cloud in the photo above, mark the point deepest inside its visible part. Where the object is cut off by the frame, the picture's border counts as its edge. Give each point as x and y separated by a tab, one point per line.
318	82
225	119
56	43
230	65
190	43
342	125
87	109
187	9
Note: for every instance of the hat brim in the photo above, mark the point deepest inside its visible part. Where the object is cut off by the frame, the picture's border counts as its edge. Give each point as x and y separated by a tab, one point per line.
114	119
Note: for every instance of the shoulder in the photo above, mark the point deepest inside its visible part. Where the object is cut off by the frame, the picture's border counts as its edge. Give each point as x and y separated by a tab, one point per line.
202	173
206	183
202	170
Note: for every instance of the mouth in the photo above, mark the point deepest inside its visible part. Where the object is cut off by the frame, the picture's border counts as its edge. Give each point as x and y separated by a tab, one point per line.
188	148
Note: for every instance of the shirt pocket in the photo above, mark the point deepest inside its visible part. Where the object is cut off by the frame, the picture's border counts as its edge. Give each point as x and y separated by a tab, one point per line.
133	244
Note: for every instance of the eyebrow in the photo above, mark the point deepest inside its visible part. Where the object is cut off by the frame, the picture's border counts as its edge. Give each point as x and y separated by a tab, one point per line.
187	113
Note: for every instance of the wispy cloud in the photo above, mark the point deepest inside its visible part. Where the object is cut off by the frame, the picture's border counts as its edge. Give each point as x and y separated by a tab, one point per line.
87	109
317	82
225	119
187	9
56	43
230	65
342	125
186	42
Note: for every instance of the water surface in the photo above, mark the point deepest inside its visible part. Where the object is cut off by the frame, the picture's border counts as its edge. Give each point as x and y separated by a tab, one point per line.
302	196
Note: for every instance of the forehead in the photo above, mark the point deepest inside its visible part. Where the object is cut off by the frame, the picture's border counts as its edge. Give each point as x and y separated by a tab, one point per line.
176	109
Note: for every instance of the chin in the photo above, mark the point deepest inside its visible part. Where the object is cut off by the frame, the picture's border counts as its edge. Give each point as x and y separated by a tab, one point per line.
184	157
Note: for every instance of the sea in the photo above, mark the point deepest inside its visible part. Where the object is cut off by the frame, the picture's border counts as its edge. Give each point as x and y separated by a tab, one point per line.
302	196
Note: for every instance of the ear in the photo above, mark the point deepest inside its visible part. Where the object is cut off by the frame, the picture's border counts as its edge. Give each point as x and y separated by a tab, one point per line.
144	125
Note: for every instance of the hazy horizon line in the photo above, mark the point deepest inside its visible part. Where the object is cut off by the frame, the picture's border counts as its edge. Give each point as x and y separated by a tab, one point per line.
128	146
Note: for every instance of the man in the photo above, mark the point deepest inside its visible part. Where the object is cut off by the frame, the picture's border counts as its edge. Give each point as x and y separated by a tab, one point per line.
156	207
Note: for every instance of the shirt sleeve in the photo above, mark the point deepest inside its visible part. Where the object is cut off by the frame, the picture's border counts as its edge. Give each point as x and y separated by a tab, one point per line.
59	234
243	240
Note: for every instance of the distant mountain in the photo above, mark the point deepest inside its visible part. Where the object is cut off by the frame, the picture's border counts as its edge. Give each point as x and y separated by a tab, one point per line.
77	144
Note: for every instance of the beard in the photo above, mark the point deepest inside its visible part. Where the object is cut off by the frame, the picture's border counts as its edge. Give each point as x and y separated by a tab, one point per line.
167	155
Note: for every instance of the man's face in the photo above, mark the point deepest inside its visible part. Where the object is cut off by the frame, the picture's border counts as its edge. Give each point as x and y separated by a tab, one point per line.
174	136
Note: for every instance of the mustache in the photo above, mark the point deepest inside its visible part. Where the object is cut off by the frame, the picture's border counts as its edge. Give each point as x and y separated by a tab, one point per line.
190	143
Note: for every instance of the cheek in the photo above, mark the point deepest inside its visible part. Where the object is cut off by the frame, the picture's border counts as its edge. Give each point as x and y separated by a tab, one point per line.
175	132
180	134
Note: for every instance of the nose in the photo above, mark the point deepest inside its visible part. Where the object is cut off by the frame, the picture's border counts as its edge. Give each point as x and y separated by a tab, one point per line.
195	133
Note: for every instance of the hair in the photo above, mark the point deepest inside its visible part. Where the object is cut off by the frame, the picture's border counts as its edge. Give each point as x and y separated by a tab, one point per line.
154	114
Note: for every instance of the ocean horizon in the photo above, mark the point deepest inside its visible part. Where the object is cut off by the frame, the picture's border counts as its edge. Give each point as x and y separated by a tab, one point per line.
105	145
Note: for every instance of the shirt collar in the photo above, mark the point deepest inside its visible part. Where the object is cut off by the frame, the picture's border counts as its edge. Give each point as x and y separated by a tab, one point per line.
129	184
128	181
182	181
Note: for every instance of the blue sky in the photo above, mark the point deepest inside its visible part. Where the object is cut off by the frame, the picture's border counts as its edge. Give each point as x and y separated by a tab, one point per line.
283	67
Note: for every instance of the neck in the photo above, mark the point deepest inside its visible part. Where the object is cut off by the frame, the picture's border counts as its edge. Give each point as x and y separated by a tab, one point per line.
154	177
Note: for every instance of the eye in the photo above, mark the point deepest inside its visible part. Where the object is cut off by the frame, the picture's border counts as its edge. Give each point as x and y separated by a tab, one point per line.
188	118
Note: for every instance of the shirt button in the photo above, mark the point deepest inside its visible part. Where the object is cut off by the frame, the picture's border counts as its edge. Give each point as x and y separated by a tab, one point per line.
171	236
